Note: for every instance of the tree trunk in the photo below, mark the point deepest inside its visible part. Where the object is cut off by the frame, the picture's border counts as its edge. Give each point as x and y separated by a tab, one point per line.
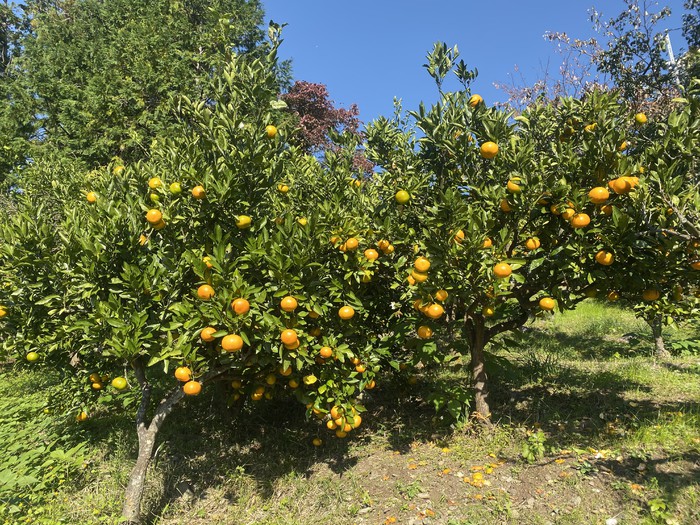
479	377
133	495
659	347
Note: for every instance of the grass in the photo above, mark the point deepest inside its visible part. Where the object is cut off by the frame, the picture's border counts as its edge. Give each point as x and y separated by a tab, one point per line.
621	439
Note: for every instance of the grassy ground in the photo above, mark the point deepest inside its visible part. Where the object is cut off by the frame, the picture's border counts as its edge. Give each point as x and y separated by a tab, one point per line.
618	433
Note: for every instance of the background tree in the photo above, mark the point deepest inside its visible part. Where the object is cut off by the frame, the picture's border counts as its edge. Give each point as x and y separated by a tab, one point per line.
103	75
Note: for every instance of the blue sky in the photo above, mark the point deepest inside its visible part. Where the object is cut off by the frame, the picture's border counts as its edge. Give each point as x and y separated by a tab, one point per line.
368	52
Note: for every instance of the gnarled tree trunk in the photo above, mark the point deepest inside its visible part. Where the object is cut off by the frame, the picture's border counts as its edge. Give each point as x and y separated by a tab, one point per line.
656	327
478	366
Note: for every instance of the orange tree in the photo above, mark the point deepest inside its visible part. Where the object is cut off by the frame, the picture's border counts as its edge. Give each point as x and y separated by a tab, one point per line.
514	217
228	256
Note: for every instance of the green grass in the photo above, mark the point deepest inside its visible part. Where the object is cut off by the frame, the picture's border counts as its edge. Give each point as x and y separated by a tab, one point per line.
621	430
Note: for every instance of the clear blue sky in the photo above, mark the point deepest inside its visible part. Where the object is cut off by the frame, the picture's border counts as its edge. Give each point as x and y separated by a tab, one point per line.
368	52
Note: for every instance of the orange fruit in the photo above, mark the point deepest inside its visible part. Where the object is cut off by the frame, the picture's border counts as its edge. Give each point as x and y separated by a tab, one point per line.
488	311
243	222
622	185
91	197
192	388
421	264
198	192
435	311
232	343
513	186
547	303
598	195
604	258
207	261
289	337
555	209
143	239
607	209
506	206
159	225
270	131
383	245
285	372
293	383
613	296
695	265
154	216
580	220
459	237
240	306
346	312
32	356
389	249
502	270
182	373
360	369
568	214
371	254
475	100
326	352
441	295
119	383
487	243
424	332
205	292
488	150
341	434
118	170
623	146
419	277
282	188
532	243
640	118
154	183
317	442
402	197
411	280
351	244
650	294
371	385
236	384
289	304
336	412
207	334
81	417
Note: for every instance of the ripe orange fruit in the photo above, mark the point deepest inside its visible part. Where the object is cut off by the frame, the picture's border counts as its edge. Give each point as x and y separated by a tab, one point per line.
159	225
270	131
371	385
182	373
555	209
360	369
435	311
598	195
623	146
154	183
91	197
198	192
351	244
459	237
240	306
487	243
475	100
270	379
389	249
547	303
513	186
580	220
568	214
207	334
207	261
232	343
532	243
613	296
421	264
607	209
346	312
640	118
604	258
419	277
695	265
411	280
282	188
650	294
502	270
621	185
285	372
336	412
424	332
489	150
326	352
340	434
289	337
205	292
317	442
154	216
243	222
289	304
383	245
371	254
3	312
192	388
402	197
441	295
81	417
506	206
293	383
